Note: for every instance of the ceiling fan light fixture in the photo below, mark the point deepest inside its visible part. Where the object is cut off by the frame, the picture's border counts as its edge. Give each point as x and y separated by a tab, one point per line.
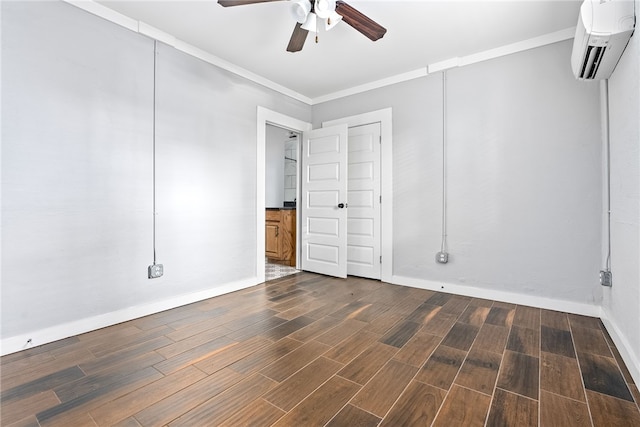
324	8
332	21
300	10
311	24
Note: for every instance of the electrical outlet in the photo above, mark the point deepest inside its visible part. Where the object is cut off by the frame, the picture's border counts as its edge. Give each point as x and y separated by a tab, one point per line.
155	271
605	278
442	257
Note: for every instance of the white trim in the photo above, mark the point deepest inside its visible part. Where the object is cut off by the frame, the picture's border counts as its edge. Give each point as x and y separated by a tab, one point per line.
149	31
486	55
385	117
622	344
76	327
264	117
398	78
497	295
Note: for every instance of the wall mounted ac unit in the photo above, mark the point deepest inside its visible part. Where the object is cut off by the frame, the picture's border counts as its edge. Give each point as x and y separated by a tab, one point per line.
603	31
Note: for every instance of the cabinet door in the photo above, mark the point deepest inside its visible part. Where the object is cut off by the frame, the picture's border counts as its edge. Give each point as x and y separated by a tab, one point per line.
273	240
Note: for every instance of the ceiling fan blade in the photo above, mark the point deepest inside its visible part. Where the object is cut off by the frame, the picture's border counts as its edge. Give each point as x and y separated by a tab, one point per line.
227	3
297	39
360	22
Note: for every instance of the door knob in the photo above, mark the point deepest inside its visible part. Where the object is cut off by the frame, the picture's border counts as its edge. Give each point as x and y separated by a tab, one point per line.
342	205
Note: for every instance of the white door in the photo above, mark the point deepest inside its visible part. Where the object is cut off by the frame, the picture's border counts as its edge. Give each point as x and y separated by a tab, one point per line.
324	201
363	214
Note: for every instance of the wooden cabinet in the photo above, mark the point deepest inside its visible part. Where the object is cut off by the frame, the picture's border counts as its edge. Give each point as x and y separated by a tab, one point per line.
280	236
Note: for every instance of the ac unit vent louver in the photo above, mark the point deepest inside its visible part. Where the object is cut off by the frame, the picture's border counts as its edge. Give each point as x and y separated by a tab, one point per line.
592	60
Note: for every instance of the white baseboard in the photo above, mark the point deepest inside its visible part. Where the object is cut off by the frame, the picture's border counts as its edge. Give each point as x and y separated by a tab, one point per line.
497	295
631	359
66	330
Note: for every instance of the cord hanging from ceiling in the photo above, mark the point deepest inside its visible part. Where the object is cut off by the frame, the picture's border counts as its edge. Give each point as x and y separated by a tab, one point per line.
155	270
442	256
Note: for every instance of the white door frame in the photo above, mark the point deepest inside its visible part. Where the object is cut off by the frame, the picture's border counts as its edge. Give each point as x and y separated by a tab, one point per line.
383	116
264	117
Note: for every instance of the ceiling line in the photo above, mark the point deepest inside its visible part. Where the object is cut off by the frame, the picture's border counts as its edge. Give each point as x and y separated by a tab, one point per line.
156	34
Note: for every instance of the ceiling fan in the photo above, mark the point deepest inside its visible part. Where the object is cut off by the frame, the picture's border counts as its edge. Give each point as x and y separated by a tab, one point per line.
309	14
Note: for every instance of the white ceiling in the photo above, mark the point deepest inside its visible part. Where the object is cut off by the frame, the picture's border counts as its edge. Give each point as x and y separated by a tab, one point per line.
419	33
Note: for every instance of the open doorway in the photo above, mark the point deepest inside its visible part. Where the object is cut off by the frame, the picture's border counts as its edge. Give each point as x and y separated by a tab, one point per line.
268	117
281	195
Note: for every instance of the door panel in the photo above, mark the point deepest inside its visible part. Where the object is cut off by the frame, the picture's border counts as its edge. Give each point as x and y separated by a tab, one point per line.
363	224
323	188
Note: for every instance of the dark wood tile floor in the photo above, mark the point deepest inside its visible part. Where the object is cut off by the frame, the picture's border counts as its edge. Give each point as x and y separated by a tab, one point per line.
307	350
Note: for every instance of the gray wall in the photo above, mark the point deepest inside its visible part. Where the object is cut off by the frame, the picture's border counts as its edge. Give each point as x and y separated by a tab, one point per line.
77	168
524	175
622	301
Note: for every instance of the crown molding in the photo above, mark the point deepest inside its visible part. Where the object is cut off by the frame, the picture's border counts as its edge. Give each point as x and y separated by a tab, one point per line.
154	33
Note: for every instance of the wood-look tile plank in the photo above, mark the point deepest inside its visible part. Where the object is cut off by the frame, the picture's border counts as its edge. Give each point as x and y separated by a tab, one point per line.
527	317
384	322
127	422
492	338
298	386
456	305
560	411
302	309
441	323
602	374
315	329
424	313
318	408
103	349
588	340
194	355
400	334
500	316
76	404
479	371
381	392
474	315
224	405
365	366
607	411
256	328
509	409
256	413
505	305
554	319
265	356
124	407
439	298
199	328
30	421
294	361
19	409
191	342
463	407
287	328
418	349
461	336
124	356
481	302
417	406
350	310
351	347
519	374
584	321
176	404
556	341
41	384
352	416
442	367
524	340
231	354
341	331
561	375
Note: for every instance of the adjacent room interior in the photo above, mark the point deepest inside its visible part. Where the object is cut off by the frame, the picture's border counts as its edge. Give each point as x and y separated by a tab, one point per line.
407	213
